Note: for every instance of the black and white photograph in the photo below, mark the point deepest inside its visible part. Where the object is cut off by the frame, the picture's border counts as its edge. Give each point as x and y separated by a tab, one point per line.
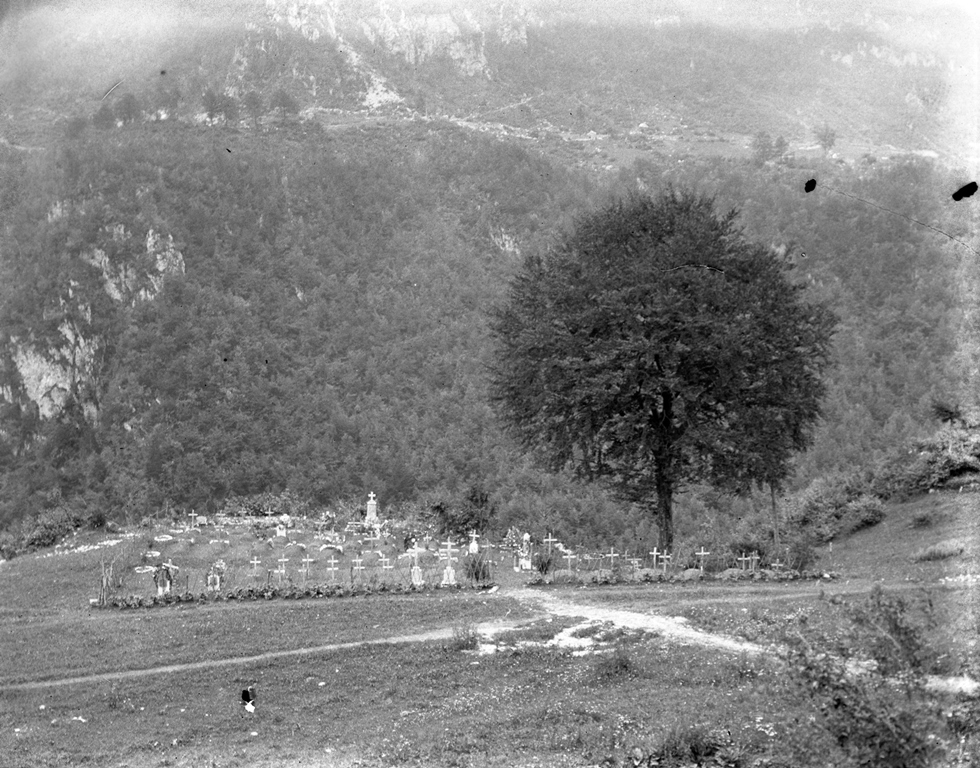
489	384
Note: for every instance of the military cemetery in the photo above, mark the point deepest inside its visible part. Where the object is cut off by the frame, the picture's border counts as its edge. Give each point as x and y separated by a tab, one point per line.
453	384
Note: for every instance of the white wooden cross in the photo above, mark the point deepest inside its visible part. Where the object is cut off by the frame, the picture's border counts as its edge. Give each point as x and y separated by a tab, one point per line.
655	555
358	565
612	556
777	564
282	564
371	496
701	555
386	563
753	561
474	535
255	563
306	563
569	557
332	568
742	561
449	551
549	540
664	560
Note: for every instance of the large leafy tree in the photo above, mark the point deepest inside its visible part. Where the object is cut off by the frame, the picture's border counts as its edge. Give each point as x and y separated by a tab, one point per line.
655	345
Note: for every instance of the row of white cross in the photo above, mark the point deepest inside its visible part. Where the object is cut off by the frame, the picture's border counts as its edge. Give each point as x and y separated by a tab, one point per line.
660	558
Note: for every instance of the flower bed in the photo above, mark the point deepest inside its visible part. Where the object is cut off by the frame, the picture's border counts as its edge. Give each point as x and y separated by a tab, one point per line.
278	592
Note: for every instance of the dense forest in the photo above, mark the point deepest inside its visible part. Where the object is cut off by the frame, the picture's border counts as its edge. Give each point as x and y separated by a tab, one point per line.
212	286
236	320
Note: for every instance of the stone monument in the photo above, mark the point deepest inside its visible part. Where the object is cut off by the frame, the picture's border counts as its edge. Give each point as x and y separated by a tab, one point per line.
372	509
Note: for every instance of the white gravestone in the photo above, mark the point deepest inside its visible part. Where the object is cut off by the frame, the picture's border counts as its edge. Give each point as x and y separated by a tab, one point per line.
281	531
449	574
372	509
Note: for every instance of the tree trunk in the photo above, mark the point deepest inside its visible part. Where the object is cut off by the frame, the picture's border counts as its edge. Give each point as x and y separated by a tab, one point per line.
665	510
775	519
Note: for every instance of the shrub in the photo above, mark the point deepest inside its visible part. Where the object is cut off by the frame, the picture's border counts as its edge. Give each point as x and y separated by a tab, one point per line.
615	665
8	545
880	713
922	520
865	511
50	526
465	638
940	551
822	507
682	744
104	118
545	562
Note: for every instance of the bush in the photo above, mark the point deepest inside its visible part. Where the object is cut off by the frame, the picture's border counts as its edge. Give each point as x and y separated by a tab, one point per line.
864	512
51	526
615	665
545	562
822	509
943	550
682	744
923	520
9	545
869	693
465	638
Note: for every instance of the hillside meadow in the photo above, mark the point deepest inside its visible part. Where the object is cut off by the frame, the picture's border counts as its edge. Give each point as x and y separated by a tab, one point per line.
440	702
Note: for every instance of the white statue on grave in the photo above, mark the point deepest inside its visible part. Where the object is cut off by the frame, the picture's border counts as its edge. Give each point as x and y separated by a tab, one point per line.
525	553
372	509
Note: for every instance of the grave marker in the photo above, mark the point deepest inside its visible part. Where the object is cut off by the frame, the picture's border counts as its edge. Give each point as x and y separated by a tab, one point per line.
357	566
282	567
306	564
665	560
568	558
416	570
255	563
549	540
332	567
612	557
474	546
777	565
372	508
655	555
386	563
742	561
753	561
701	554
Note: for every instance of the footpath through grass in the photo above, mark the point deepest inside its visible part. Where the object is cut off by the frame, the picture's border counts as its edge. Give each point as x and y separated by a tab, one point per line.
422	704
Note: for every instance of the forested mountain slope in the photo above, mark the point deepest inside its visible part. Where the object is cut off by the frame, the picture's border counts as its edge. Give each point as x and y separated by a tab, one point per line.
205	293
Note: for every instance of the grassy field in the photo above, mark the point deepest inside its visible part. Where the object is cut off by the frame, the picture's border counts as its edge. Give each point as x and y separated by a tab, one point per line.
440	702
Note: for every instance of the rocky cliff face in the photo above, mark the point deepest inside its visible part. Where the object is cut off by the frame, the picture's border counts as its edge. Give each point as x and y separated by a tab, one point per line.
49	373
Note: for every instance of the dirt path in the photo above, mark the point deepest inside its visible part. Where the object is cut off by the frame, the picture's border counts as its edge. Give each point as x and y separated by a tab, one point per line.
422	637
674	628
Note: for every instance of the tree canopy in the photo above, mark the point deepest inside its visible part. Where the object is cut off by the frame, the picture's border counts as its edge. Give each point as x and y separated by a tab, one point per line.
656	345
